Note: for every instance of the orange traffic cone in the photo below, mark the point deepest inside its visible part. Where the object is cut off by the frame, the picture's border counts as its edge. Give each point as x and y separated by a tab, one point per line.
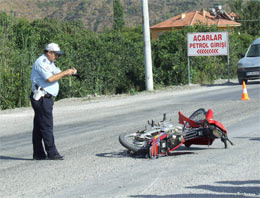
244	92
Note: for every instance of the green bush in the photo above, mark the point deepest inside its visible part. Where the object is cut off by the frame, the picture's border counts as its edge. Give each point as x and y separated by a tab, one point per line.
111	62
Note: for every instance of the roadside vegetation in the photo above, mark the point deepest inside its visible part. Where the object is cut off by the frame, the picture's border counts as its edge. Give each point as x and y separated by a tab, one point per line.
111	62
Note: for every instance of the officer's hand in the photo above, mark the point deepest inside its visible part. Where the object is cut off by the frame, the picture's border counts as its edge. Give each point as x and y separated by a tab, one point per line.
70	71
75	71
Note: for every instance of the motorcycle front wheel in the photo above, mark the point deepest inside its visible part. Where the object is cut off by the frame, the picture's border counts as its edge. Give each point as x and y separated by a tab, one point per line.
129	141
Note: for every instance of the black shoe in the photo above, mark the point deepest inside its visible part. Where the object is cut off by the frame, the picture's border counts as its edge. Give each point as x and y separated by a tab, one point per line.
39	157
55	157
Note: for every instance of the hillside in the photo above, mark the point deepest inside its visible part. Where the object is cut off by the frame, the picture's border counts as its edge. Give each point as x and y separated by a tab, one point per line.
97	15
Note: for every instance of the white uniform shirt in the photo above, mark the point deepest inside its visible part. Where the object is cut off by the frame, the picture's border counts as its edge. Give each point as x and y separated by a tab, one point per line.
41	71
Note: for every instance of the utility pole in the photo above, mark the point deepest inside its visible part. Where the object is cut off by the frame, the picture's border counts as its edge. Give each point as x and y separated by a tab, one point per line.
147	48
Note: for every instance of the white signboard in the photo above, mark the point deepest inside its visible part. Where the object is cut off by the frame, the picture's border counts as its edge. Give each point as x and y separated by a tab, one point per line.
208	44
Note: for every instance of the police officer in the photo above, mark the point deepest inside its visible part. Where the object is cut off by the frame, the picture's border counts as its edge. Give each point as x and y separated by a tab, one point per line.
45	86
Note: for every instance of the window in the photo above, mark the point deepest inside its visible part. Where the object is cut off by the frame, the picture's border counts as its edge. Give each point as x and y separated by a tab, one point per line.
254	51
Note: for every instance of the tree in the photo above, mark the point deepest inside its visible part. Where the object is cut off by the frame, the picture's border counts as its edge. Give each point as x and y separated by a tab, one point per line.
248	15
119	22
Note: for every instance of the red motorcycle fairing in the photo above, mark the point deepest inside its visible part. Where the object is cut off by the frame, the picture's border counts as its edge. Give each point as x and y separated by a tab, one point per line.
209	118
209	115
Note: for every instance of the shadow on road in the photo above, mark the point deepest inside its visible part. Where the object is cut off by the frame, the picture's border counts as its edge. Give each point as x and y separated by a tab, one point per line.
122	154
180	153
126	154
241	183
255	139
143	154
233	189
249	138
13	158
237	188
190	195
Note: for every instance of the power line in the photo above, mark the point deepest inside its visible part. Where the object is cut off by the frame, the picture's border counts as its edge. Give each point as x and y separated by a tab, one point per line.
249	20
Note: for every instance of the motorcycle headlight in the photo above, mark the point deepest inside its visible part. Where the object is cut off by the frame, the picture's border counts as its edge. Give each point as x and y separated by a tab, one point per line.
217	133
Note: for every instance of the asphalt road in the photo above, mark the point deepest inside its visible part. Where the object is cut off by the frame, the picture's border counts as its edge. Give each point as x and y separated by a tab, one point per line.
96	165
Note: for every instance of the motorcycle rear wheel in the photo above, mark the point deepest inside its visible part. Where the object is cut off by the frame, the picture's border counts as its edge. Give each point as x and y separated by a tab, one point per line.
196	116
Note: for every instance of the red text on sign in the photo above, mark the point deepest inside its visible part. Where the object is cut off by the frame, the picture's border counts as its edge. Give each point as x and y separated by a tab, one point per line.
207	37
207	51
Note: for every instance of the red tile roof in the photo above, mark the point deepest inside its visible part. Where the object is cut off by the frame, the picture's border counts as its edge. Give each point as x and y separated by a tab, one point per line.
193	18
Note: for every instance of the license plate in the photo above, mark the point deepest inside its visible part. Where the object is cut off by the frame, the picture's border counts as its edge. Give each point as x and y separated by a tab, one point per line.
254	73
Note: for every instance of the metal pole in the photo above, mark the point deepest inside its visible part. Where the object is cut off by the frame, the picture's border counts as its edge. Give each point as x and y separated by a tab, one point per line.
228	58
147	47
228	68
189	70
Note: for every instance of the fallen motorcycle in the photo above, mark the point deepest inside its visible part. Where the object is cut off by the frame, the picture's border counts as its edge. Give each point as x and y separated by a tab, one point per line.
159	139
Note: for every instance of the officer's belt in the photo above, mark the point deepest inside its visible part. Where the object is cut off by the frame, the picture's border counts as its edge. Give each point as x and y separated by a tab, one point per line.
47	95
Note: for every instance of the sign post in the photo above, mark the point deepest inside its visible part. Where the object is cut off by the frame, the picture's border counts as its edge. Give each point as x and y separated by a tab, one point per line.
208	44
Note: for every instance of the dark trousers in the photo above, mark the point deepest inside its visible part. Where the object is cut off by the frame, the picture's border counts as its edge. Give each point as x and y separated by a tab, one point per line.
43	127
